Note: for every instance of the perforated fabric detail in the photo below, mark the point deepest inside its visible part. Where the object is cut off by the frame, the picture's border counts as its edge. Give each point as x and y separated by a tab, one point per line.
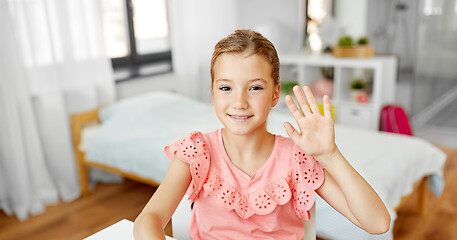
193	150
308	177
298	184
260	202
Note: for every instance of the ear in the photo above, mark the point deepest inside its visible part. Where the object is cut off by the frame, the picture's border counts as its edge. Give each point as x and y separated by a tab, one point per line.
276	95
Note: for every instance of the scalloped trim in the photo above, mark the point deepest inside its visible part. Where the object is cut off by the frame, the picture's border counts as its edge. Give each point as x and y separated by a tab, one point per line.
298	185
308	177
260	202
193	150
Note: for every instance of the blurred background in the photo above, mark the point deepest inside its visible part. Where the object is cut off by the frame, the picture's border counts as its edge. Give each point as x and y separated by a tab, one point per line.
60	57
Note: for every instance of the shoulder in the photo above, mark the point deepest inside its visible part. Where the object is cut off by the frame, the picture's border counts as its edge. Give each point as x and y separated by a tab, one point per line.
190	146
211	138
286	147
301	164
284	141
194	150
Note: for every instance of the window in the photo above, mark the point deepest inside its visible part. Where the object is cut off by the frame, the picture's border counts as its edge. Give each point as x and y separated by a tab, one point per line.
136	37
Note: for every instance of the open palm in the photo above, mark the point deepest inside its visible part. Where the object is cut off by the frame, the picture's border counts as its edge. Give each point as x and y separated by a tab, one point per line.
316	134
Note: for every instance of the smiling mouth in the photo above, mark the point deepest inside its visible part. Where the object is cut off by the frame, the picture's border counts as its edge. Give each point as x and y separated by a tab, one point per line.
240	117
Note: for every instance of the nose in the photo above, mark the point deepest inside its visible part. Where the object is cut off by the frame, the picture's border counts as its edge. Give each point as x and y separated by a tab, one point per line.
240	100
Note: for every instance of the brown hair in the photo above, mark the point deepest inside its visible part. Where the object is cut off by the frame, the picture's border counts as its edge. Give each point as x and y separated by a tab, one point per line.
250	42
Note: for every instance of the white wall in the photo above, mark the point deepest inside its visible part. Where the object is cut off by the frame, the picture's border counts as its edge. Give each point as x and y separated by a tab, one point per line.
352	16
279	21
196	26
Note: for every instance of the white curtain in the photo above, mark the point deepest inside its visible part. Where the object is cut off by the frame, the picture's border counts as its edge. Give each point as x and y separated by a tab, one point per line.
52	64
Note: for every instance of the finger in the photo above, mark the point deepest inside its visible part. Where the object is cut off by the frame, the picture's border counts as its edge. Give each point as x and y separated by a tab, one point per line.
311	100
293	108
291	132
301	100
327	107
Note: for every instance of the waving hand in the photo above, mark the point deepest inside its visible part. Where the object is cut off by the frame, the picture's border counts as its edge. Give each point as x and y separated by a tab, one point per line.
316	134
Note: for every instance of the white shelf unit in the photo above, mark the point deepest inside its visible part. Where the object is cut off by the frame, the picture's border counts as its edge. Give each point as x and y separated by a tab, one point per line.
347	111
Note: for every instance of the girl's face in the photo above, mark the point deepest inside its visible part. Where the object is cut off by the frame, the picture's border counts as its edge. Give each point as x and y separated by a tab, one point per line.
243	92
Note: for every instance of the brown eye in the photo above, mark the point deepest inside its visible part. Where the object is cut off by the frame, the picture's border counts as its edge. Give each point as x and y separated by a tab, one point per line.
225	88
256	88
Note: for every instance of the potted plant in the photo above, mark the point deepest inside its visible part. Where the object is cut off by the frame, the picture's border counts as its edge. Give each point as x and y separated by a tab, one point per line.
362	41
357	88
345	41
348	49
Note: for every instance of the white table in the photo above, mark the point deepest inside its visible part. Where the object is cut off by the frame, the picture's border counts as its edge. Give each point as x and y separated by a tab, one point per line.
120	230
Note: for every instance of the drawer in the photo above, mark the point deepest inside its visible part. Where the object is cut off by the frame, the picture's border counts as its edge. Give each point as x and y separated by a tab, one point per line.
354	117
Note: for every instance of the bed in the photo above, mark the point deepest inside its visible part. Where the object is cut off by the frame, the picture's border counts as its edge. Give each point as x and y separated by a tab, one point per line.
128	137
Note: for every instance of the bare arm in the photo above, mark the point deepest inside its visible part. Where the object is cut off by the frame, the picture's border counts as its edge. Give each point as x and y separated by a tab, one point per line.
348	192
158	211
344	189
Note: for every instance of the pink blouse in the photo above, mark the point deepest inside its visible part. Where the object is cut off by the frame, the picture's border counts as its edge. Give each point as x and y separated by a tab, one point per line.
229	204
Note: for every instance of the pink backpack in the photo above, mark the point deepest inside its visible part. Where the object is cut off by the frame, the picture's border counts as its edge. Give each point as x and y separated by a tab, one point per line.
394	119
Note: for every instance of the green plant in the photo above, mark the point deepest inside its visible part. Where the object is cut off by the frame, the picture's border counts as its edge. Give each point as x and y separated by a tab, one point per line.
357	84
286	87
345	41
363	41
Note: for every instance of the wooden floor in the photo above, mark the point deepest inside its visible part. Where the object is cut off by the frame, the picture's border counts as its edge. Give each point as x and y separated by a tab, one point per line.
113	202
108	204
440	221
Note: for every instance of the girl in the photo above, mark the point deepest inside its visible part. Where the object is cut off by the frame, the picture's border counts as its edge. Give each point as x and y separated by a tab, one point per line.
247	183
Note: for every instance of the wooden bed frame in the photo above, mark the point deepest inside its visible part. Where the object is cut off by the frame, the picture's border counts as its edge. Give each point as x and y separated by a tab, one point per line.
78	121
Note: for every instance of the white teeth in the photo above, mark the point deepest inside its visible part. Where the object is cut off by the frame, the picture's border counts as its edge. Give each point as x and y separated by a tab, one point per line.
237	117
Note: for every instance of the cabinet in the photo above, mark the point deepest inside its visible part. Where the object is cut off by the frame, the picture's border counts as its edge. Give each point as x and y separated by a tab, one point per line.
305	69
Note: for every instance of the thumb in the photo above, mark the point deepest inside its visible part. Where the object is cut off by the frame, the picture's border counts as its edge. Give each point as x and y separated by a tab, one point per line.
293	134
